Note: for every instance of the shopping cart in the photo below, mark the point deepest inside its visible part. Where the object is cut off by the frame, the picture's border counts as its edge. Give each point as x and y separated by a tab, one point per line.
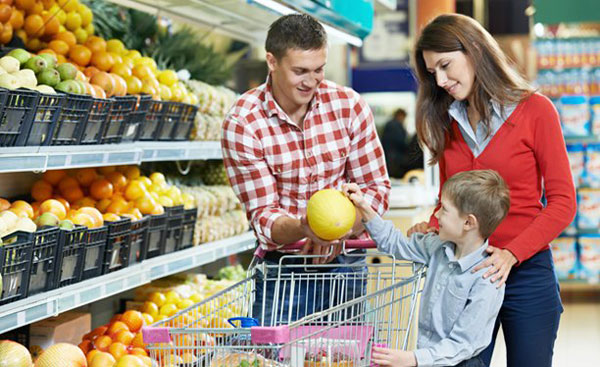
366	303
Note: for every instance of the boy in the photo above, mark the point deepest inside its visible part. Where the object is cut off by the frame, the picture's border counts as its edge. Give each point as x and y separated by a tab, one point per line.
458	307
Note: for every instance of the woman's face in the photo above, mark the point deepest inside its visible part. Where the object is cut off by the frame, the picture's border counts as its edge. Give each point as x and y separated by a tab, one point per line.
453	71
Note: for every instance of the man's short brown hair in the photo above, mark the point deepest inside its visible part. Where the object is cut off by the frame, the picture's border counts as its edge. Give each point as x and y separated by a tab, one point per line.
295	31
482	193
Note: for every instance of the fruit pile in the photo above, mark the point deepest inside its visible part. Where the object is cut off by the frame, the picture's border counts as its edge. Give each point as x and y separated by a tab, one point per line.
122	338
213	105
19	69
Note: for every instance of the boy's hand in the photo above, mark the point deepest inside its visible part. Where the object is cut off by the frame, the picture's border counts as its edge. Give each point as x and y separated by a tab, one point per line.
500	261
352	192
393	357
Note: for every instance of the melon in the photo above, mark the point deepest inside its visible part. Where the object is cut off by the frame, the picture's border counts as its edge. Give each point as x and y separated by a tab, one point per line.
62	355
330	214
13	354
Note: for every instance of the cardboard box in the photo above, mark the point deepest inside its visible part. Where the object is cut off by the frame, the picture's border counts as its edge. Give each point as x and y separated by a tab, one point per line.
68	327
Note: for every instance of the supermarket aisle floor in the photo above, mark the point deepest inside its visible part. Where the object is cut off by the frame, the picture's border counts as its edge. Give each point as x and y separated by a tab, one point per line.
578	343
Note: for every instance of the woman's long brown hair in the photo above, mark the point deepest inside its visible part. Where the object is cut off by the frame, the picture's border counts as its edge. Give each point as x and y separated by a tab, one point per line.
495	78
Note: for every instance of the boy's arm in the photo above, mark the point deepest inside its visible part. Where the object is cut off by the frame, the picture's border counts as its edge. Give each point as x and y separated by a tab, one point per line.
471	333
417	248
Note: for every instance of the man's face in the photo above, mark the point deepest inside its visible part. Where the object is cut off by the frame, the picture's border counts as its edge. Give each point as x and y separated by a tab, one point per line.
297	74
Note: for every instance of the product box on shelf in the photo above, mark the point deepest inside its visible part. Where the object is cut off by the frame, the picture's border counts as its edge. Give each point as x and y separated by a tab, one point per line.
576	154
595	112
590	257
588	208
564	253
592	165
574	115
68	327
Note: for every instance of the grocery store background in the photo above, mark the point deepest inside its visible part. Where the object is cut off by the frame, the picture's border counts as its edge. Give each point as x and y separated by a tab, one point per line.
139	129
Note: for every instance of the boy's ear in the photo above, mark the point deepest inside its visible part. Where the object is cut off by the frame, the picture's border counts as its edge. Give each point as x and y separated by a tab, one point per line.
271	61
471	223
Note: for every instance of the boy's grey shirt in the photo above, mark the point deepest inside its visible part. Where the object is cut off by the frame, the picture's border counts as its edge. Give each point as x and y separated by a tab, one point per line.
458	308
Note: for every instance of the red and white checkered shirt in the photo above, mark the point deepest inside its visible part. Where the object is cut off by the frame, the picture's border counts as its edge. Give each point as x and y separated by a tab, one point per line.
274	166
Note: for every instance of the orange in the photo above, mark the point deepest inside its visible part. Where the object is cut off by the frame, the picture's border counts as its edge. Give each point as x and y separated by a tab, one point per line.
4	204
34	25
58	46
24	207
73	21
81	55
105	81
135	190
73	194
25	4
133	319
106	169
139	352
84	220
136	213
5	12
102	343
118	350
86	176
95	44
117	59
67	37
17	19
90	355
120	85
124	337
37	8
121	69
102	205
41	190
132	172
157	210
148	319
101	189
138	341
51	24
7	34
64	202
110	217
118	180
90	71
61	59
66	181
134	85
98	91
150	308
81	35
102	60
69	5
94	214
55	207
116	46
130	361
142	71
48	51
118	206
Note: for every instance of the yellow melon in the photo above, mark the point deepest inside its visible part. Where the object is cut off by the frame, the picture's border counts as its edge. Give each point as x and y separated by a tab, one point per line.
330	214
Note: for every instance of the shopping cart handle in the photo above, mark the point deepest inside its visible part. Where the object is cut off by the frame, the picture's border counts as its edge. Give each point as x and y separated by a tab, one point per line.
349	244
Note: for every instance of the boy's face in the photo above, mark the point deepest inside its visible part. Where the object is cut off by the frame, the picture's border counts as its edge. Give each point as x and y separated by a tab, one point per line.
298	74
451	222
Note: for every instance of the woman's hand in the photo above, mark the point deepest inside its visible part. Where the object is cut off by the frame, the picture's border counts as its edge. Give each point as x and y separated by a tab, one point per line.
422	227
393	357
500	262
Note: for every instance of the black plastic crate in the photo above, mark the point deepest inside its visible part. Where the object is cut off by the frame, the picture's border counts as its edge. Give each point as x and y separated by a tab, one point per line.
171	115
189	225
150	127
157	231
69	258
96	121
137	117
174	228
184	125
137	247
72	119
93	250
42	275
117	119
41	127
116	252
19	335
16	111
15	263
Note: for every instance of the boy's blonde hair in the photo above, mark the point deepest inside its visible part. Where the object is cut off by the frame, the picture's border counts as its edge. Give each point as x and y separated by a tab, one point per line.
482	193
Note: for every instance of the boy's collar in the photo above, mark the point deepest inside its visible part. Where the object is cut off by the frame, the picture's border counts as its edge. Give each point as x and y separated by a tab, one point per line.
468	261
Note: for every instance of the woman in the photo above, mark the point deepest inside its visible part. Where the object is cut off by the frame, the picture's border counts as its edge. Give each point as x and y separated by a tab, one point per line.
475	112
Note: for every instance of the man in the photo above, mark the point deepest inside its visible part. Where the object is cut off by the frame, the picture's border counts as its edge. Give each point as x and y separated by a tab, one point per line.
292	136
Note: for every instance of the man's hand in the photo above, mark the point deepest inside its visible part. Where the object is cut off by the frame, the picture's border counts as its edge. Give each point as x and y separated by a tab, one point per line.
393	357
317	246
422	227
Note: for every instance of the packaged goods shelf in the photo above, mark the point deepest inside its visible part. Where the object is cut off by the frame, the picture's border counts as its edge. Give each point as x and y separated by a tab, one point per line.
40	159
52	303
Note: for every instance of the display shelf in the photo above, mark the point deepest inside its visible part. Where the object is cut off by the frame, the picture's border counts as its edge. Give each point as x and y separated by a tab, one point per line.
578	286
582	139
44	305
24	159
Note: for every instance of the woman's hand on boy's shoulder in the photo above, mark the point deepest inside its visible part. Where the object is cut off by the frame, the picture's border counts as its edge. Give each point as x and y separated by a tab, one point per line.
393	357
500	263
